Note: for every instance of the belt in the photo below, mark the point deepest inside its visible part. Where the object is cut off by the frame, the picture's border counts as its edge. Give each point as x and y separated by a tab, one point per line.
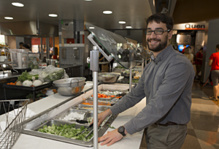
167	124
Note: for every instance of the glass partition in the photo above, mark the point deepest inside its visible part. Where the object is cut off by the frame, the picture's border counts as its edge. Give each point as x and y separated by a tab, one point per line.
124	52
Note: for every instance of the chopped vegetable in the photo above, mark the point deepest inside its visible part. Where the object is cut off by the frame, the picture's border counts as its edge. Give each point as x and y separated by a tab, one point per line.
68	131
11	83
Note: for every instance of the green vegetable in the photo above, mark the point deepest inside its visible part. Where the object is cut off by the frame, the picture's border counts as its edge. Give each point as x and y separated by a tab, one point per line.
56	75
67	130
112	127
26	76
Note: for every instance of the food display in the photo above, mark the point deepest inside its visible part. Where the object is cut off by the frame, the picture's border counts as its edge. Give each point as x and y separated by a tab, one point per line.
72	124
108	77
70	86
68	131
72	115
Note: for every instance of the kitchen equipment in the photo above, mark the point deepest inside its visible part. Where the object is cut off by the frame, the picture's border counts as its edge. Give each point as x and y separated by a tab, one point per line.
108	77
51	62
70	86
126	74
4	54
10	130
19	58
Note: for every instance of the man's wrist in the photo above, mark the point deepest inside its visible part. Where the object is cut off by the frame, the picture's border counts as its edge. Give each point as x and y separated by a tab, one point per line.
122	130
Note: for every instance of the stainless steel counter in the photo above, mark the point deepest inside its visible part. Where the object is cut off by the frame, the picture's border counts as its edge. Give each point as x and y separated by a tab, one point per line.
7	74
33	142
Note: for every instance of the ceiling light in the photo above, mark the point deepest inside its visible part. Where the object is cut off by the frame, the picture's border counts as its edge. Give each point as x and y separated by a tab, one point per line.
53	15
17	4
122	22
91	27
9	18
107	12
88	0
128	27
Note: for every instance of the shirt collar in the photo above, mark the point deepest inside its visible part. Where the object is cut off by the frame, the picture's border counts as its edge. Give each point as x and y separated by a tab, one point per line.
162	55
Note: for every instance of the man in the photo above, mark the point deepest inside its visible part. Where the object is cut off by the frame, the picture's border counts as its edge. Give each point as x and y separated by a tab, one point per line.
21	45
214	63
198	62
166	83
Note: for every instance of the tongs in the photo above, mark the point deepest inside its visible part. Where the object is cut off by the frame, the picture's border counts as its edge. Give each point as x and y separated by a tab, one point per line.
90	127
86	129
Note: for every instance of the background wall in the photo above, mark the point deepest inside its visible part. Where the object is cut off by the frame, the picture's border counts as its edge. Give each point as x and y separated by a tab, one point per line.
212	41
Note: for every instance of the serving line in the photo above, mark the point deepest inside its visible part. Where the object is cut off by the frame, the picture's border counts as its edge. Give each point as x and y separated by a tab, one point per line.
129	142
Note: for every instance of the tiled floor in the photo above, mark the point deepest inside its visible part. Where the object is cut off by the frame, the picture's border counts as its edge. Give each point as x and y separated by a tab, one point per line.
203	129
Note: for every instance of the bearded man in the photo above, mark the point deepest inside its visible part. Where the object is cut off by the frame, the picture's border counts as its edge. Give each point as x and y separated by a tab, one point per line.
166	83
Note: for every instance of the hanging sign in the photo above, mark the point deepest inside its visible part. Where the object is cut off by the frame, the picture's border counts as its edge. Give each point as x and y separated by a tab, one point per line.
194	27
190	26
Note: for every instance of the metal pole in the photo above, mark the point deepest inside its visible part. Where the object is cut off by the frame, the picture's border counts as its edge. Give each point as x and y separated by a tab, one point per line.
130	79
94	66
142	66
95	103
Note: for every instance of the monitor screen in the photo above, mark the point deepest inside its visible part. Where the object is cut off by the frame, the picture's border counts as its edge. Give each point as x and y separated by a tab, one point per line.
181	47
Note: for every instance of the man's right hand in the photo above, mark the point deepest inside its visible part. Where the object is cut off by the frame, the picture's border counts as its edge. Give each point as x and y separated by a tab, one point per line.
102	116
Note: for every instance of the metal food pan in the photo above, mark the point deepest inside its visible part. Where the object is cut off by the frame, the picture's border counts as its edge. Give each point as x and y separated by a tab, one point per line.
69	112
90	107
100	99
56	122
35	132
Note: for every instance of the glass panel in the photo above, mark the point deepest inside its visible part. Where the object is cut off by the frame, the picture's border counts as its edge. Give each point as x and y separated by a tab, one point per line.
124	52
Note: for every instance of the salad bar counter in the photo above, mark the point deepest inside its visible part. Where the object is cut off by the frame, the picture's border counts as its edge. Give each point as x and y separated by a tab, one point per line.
72	123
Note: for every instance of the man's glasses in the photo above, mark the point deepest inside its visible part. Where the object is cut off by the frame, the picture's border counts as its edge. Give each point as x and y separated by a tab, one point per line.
158	31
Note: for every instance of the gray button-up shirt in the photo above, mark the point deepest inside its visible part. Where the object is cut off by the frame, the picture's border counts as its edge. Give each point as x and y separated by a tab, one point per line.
167	85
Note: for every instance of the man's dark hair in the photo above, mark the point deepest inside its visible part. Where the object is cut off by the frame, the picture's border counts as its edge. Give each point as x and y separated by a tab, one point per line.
26	46
160	17
217	46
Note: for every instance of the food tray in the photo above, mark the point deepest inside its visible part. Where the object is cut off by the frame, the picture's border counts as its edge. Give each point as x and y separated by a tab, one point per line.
89	143
63	133
35	88
107	101
72	114
90	107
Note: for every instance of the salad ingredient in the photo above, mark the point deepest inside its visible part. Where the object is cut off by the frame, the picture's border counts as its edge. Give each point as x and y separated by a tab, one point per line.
18	83
26	76
37	83
68	131
27	83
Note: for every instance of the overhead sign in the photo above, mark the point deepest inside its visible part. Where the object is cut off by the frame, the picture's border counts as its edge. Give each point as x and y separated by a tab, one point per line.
194	27
190	26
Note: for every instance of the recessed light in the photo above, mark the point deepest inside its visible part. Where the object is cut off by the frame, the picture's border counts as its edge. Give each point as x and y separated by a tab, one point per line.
53	15
88	0
91	27
9	18
107	12
128	27
122	22
17	4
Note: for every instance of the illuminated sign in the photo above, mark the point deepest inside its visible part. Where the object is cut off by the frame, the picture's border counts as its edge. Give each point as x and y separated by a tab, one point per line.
194	27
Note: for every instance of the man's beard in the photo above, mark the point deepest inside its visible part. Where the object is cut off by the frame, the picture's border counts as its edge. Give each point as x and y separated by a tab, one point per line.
160	47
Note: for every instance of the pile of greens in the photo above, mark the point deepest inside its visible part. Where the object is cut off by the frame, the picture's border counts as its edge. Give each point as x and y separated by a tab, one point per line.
68	131
56	74
27	76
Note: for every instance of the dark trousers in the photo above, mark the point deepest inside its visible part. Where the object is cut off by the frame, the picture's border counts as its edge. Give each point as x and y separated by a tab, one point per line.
165	137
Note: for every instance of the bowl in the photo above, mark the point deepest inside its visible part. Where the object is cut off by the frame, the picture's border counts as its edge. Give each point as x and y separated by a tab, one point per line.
70	86
108	77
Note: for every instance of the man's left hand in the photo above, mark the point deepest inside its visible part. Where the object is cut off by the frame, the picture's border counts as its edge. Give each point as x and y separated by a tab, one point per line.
110	138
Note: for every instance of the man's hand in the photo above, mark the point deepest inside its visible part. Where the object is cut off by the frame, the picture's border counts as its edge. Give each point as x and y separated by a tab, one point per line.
102	116
110	138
